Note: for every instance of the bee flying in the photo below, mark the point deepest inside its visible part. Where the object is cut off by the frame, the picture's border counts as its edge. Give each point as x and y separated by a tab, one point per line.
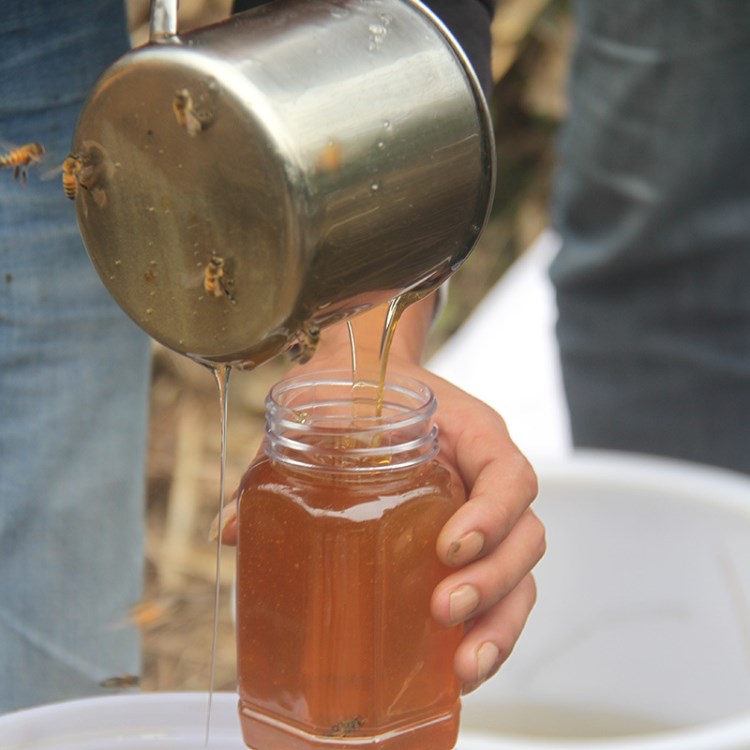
21	158
121	681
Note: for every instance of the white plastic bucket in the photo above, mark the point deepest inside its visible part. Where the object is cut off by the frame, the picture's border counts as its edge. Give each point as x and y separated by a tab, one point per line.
155	721
640	639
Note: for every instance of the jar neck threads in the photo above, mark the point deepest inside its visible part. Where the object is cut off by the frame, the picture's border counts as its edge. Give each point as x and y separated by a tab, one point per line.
325	421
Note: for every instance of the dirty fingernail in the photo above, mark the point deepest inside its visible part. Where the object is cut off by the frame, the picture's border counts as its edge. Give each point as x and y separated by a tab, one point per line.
228	515
487	656
466	548
463	601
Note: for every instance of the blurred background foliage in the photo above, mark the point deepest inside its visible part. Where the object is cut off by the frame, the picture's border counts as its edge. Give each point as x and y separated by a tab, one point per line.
531	39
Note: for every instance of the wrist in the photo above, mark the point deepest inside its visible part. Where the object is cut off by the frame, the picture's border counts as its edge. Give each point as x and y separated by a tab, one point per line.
407	347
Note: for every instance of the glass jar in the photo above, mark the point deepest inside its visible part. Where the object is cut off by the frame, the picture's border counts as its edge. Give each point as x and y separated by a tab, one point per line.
338	520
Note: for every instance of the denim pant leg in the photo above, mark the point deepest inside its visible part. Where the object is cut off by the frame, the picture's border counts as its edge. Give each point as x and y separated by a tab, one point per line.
652	200
73	399
74	375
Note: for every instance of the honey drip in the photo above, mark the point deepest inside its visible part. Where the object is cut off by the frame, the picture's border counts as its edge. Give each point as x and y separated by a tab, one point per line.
221	374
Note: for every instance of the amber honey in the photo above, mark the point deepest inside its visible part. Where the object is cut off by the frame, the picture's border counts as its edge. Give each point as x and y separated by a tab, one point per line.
336	568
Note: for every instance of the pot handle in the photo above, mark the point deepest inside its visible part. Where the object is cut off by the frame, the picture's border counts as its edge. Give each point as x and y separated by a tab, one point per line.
163	24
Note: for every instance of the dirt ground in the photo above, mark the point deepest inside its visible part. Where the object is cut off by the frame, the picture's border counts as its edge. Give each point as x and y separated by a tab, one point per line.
176	616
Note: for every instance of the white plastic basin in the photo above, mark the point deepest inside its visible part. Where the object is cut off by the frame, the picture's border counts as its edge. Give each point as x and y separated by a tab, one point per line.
640	639
155	721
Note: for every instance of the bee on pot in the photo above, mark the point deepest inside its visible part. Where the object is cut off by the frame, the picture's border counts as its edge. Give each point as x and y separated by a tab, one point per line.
79	170
186	113
308	338
215	280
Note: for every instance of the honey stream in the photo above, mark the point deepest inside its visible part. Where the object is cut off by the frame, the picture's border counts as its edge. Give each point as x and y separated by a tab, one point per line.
373	366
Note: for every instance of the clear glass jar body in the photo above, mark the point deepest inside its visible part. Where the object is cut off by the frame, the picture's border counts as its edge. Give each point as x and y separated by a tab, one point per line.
336	566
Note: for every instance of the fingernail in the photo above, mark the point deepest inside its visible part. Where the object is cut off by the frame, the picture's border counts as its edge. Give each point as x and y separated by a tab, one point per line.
487	656
463	601
466	548
228	514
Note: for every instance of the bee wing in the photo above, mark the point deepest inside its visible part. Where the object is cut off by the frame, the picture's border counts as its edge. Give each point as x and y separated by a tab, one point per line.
51	174
99	195
193	279
6	145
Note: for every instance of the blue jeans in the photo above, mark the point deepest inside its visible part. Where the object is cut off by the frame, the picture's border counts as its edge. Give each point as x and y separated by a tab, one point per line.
652	199
74	375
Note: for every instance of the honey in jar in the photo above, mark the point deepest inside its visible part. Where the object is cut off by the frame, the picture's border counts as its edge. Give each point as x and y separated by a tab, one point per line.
338	520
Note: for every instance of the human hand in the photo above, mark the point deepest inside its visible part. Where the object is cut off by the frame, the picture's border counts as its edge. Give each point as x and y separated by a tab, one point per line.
493	541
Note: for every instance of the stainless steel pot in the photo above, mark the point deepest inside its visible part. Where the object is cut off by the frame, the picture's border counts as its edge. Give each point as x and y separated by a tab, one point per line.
243	184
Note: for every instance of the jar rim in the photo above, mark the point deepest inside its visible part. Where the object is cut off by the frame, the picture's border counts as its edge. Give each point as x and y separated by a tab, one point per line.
424	405
308	412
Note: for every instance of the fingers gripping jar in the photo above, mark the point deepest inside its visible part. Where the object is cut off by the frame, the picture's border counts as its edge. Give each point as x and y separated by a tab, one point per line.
338	520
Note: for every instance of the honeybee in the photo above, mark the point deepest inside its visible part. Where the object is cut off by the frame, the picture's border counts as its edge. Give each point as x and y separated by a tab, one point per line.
79	170
184	111
21	158
121	681
149	612
346	728
71	169
308	338
215	280
329	159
